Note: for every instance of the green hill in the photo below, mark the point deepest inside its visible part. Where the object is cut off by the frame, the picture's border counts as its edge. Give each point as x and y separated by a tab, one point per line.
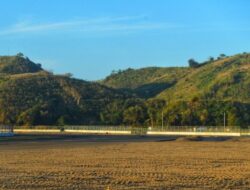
195	95
18	64
34	96
198	95
227	79
146	82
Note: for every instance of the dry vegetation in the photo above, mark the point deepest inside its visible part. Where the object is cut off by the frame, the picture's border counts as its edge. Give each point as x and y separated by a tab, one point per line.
182	164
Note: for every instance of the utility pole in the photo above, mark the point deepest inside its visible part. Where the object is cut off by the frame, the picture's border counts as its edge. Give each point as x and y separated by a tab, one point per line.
162	122
224	121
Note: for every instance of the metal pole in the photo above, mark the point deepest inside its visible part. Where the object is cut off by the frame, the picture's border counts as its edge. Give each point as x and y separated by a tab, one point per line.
162	122
224	121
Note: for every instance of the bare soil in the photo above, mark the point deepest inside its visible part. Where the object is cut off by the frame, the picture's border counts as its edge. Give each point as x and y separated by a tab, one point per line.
120	163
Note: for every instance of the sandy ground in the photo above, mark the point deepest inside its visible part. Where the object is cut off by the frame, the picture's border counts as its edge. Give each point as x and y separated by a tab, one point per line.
120	162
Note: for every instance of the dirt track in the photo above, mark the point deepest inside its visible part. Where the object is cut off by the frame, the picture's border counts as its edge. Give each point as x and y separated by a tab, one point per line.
99	162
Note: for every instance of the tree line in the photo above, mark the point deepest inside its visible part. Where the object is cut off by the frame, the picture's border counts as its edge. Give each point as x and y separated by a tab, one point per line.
195	112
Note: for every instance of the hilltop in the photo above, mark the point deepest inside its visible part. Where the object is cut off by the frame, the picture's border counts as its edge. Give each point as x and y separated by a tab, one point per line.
18	64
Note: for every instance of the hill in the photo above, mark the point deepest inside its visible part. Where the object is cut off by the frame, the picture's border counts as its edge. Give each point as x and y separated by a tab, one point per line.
18	64
31	96
226	79
198	95
146	82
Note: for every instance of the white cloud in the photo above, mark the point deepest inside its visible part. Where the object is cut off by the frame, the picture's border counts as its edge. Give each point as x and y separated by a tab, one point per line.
84	25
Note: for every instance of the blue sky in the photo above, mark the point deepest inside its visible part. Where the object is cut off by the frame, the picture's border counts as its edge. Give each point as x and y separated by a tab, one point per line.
90	38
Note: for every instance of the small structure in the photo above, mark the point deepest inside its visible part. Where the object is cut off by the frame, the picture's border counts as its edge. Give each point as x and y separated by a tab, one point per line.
6	131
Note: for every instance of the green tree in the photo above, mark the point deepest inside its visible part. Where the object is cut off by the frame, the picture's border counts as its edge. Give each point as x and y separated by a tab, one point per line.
135	116
204	116
112	113
20	54
155	108
211	59
193	64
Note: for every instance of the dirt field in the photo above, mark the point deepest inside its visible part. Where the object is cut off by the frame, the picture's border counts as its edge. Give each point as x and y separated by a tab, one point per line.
103	162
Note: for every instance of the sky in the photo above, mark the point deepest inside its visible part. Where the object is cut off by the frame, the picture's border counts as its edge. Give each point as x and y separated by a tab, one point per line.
91	38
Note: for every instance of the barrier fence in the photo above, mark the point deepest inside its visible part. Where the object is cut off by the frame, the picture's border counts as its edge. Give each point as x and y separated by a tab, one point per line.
6	130
166	130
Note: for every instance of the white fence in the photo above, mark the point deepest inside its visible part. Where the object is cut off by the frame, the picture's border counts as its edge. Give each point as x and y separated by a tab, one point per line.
123	130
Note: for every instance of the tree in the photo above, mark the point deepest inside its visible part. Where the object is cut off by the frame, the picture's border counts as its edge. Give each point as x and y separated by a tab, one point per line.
155	108
112	113
20	54
211	59
203	116
61	121
135	115
193	64
222	56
